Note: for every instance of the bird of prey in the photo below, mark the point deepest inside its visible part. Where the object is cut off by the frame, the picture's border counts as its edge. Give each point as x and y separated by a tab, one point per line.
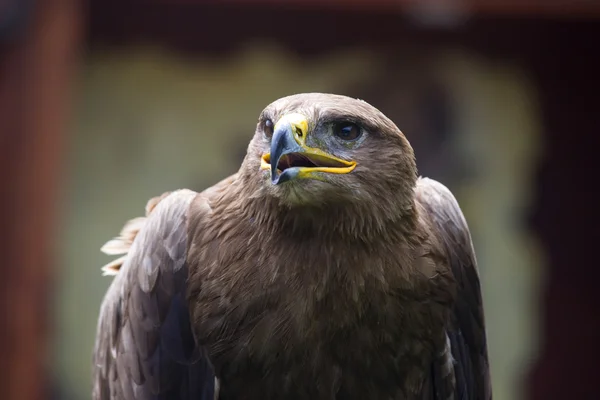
325	268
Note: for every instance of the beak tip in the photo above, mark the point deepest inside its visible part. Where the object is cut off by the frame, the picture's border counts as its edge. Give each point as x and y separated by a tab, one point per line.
274	176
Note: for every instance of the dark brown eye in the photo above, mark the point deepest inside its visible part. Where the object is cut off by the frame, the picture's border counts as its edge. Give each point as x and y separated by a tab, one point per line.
268	128
347	131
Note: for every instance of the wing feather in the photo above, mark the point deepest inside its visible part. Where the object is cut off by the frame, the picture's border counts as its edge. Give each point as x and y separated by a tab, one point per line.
144	347
467	333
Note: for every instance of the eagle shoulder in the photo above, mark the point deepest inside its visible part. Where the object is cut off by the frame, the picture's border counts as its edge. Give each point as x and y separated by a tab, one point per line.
145	348
466	331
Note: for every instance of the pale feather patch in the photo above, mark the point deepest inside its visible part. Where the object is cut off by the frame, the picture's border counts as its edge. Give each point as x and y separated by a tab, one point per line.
115	247
131	228
122	244
153	202
112	268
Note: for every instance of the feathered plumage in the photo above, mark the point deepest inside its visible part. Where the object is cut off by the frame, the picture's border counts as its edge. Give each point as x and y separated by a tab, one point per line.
323	269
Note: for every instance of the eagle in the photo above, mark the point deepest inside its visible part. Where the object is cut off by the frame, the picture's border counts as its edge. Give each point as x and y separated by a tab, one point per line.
325	268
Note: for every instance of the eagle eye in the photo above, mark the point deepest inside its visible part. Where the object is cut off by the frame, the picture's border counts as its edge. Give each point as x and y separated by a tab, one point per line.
347	131
268	127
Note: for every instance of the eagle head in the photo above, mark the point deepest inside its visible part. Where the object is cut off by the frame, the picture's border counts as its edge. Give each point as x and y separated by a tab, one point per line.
316	148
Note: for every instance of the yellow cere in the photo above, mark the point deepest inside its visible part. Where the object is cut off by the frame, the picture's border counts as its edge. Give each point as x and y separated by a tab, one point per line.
299	125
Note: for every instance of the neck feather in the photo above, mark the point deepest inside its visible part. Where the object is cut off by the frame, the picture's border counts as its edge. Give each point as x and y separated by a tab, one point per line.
347	221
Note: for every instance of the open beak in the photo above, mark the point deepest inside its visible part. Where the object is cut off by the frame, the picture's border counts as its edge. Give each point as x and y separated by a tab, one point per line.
290	157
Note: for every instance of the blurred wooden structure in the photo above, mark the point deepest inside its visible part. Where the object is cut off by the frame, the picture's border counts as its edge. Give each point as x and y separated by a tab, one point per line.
37	57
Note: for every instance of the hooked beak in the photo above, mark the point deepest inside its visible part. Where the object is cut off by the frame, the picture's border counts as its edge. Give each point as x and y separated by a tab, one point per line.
290	158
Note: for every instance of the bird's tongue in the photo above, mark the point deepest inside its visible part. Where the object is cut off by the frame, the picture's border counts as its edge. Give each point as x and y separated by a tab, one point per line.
295	160
306	160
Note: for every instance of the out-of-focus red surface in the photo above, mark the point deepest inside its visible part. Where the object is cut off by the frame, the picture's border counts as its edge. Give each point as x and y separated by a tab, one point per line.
35	75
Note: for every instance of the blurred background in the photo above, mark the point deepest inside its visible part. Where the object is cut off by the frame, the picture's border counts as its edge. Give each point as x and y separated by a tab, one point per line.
104	104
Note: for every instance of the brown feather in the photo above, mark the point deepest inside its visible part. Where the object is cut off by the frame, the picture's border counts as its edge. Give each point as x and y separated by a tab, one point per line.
122	243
